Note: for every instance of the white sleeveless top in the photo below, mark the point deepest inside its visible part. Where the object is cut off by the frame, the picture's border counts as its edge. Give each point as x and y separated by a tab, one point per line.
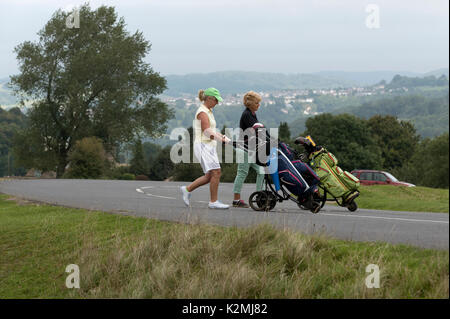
199	137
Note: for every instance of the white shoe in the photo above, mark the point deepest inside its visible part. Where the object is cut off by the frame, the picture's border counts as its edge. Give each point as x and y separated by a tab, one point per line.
218	205
186	195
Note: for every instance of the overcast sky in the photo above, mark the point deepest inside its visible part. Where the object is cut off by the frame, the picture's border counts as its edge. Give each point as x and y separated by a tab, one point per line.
257	35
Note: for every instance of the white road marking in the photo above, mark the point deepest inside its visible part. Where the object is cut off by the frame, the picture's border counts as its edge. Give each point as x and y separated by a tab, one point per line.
389	218
141	191
160	196
160	187
327	214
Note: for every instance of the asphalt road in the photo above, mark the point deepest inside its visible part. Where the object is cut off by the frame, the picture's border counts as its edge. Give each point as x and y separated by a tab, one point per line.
162	200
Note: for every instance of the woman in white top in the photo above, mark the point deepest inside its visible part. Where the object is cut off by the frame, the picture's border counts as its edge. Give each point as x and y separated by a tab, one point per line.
205	137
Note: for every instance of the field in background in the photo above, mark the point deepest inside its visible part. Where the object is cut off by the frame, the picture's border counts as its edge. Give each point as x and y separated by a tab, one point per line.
130	257
414	199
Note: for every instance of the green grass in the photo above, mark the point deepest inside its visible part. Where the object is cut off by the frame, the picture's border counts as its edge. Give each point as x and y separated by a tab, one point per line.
130	257
415	199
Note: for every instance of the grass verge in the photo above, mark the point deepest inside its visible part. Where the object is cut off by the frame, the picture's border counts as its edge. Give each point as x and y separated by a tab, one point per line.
130	257
412	199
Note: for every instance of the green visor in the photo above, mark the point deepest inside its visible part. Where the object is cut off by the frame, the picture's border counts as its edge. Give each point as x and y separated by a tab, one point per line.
214	92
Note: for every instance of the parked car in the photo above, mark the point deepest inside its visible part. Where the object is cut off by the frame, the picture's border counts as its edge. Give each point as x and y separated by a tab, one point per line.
372	177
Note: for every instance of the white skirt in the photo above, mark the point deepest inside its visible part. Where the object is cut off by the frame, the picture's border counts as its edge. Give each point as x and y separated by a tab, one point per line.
206	154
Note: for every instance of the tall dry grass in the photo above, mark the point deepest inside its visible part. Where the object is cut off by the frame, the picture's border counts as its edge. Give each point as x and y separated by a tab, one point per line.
129	257
199	261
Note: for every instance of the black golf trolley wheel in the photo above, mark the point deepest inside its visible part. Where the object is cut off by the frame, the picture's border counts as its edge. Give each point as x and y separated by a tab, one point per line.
316	206
273	201
262	200
323	198
302	207
317	200
352	206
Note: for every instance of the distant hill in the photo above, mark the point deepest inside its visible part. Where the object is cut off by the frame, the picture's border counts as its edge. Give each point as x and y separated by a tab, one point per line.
365	78
229	82
239	81
412	82
437	73
429	115
373	77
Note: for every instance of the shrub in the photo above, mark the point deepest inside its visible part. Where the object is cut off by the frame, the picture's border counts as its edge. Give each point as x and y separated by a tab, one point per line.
117	172
127	176
429	166
87	159
138	166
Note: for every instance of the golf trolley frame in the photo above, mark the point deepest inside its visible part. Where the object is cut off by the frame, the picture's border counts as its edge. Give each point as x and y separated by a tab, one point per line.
267	199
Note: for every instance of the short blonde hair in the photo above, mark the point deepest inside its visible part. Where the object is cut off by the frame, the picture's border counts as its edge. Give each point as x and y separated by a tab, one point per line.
251	98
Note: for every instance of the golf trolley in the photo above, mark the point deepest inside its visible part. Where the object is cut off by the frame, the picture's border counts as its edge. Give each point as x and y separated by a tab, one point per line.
284	176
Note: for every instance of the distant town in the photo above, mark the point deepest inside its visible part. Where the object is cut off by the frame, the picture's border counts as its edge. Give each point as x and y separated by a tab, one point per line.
287	97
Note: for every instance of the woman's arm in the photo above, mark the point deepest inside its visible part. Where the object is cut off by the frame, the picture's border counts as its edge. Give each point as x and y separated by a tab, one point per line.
207	131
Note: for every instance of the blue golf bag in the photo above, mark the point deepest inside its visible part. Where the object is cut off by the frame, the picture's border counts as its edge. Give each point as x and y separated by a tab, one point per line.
296	176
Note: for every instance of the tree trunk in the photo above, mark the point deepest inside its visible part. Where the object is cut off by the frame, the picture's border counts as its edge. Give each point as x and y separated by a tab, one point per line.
60	169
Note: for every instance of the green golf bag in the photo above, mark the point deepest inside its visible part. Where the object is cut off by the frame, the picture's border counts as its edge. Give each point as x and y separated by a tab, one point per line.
338	183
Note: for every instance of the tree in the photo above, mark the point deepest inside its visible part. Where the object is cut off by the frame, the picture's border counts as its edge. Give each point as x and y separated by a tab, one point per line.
162	165
138	165
396	139
403	81
10	122
87	159
188	171
429	166
151	151
283	132
429	114
87	81
348	138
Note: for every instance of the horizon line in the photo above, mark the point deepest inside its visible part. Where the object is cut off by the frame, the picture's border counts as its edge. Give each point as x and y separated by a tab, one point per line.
289	73
314	72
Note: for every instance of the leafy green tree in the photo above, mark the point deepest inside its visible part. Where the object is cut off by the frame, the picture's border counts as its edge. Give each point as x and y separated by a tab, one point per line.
348	138
10	122
87	159
396	139
138	165
428	114
297	127
162	166
409	82
228	170
151	151
87	81
429	166
283	132
188	172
